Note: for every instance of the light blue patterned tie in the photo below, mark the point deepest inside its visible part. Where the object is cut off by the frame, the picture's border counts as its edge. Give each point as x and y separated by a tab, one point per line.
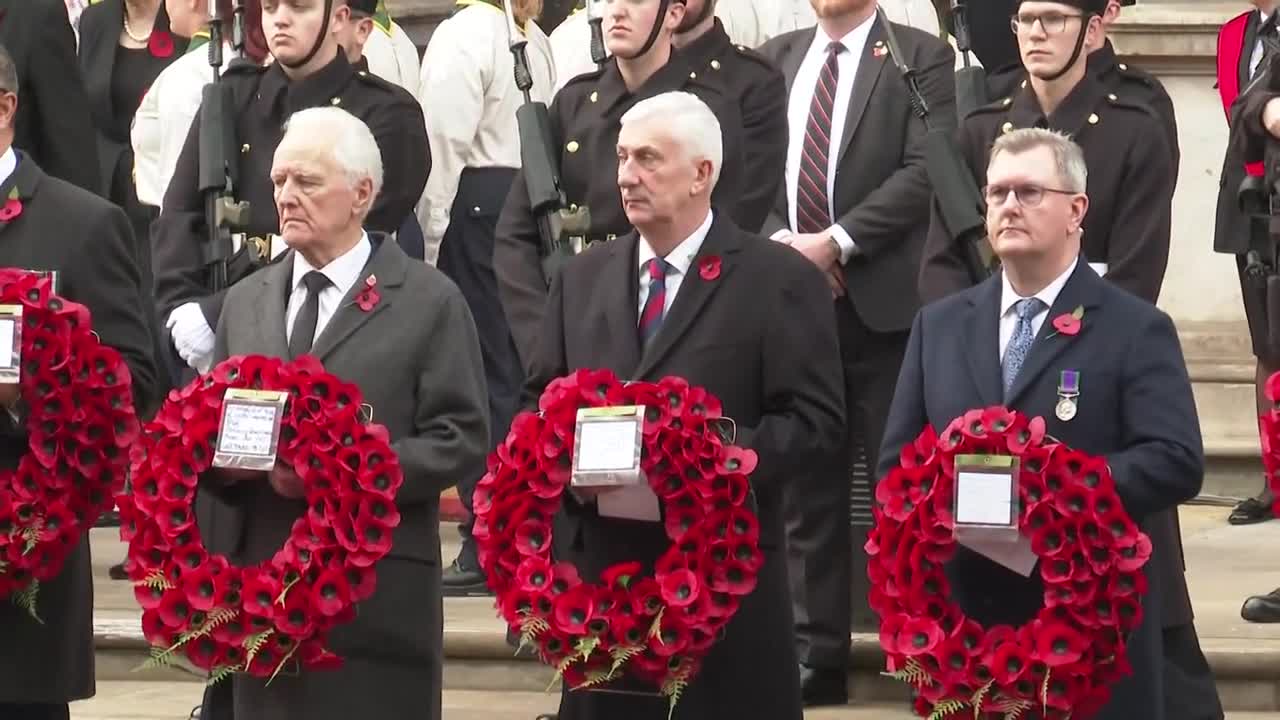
1020	343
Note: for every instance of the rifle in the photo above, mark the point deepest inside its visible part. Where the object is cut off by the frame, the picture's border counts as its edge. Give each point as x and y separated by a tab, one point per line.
219	172
537	158
971	81
963	211
596	23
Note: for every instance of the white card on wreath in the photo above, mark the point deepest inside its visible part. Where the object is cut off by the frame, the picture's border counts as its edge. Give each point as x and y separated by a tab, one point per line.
10	344
249	429
606	446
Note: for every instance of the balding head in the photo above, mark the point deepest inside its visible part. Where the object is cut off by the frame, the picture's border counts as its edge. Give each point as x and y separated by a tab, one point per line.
327	173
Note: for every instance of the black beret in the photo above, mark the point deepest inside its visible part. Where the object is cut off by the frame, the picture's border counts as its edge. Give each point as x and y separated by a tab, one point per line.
1088	6
368	7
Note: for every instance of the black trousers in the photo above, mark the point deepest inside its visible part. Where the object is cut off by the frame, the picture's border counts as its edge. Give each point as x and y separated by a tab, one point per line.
34	712
820	554
466	256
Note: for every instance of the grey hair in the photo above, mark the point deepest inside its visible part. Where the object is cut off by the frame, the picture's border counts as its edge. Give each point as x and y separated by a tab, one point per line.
349	141
1067	155
686	119
8	72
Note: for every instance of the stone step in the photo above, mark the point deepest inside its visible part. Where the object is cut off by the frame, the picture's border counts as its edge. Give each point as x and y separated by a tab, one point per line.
478	659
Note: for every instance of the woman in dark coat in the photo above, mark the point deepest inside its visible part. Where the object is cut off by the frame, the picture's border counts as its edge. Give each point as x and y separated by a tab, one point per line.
124	44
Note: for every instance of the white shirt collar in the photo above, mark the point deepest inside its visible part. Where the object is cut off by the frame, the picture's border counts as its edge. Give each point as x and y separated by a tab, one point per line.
854	41
1009	297
343	271
8	163
681	257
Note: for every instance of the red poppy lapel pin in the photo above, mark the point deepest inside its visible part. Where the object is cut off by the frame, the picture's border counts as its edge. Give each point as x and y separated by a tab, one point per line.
368	297
879	50
12	207
709	267
1068	323
160	44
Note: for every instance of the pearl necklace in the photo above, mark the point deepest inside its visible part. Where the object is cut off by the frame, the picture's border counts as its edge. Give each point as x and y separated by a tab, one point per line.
127	31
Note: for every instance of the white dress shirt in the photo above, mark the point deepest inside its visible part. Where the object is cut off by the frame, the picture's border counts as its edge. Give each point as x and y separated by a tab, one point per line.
8	163
680	259
1256	58
469	99
393	57
1010	297
164	118
570	45
802	91
343	272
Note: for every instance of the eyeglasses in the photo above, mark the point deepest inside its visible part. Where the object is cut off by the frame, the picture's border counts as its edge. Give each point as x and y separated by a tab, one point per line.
1052	22
1028	196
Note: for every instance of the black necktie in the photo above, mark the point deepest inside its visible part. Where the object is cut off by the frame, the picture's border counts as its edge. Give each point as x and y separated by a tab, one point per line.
813	203
304	325
1270	41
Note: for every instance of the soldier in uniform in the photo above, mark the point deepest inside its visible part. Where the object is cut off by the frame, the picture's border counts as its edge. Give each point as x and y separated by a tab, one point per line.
1128	81
1131	182
308	71
761	92
585	120
475	148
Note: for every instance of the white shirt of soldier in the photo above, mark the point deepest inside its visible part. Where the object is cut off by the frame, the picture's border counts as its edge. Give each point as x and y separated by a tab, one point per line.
393	57
469	99
680	258
802	90
343	272
1258	50
164	118
1009	297
571	46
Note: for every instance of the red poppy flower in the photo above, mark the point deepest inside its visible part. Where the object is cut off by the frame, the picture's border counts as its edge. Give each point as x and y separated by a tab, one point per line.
533	538
1133	552
1009	662
646	597
175	610
1067	324
11	209
1050	540
330	593
679	587
709	267
1059	644
160	44
919	637
672	638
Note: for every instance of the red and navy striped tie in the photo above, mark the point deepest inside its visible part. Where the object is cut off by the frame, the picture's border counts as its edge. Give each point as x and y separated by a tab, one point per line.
813	204
655	304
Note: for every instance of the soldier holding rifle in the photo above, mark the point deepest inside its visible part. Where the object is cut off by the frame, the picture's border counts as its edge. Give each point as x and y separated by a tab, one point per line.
309	71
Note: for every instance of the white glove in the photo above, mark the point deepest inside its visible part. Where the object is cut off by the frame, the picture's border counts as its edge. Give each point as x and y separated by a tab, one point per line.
192	336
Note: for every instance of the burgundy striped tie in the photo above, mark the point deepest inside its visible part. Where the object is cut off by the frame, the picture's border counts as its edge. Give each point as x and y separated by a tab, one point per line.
813	205
656	303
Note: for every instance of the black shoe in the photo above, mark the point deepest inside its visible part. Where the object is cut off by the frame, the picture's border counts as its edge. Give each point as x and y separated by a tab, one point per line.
823	686
546	717
1249	512
459	581
117	572
195	713
1262	608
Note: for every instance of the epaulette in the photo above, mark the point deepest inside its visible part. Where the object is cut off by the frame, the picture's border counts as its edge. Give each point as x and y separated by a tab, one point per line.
586	77
375	80
1118	100
1130	72
995	106
754	56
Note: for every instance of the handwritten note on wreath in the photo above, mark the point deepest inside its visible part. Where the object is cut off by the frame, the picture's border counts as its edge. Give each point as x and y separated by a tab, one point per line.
248	429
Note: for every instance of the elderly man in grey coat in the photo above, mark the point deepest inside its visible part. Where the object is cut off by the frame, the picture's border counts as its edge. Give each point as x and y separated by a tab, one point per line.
415	355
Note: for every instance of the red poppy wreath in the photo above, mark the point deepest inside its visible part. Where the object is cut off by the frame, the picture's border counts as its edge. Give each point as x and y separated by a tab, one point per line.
258	619
1269	433
1060	664
655	628
79	418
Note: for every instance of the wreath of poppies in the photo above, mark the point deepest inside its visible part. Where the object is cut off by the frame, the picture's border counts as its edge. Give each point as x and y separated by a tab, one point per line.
1269	434
655	628
258	619
1060	664
78	419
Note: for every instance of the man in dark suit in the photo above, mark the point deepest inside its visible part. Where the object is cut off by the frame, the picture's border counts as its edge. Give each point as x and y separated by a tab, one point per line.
584	128
642	307
995	345
852	202
87	241
54	126
326	175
